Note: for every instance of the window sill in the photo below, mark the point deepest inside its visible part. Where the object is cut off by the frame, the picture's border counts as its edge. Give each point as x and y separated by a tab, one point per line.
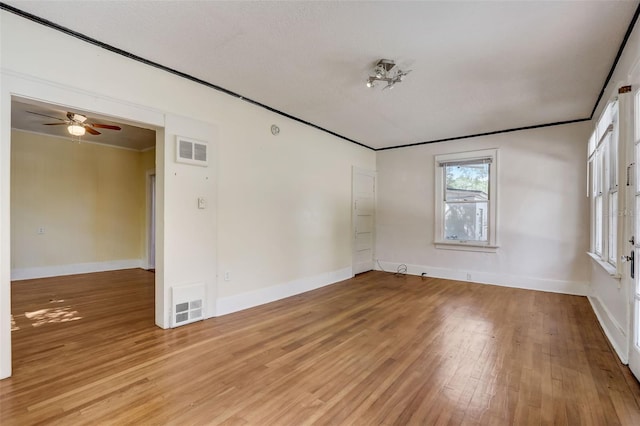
462	246
611	270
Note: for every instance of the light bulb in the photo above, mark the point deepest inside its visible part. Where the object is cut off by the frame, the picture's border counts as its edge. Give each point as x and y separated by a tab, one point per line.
76	130
369	83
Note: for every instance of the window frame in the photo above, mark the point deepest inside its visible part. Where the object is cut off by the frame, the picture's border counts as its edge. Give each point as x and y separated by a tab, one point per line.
491	245
603	161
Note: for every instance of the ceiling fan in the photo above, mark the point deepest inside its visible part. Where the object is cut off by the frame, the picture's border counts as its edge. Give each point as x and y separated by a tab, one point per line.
77	124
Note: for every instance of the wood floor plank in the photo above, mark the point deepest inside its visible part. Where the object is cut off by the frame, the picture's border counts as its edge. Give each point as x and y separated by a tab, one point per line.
376	349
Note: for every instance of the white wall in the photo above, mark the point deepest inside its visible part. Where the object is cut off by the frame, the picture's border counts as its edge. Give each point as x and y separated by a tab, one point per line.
283	217
611	297
542	211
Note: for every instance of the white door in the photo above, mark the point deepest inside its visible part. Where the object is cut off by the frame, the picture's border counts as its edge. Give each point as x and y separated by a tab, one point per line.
364	204
634	343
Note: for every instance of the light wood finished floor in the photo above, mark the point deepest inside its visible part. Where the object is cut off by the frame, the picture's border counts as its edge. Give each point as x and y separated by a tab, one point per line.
377	349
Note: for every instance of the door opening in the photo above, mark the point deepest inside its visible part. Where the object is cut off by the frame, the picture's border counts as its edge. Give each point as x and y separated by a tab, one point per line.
91	193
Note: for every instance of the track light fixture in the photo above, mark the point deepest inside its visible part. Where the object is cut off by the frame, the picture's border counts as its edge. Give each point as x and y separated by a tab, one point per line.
386	70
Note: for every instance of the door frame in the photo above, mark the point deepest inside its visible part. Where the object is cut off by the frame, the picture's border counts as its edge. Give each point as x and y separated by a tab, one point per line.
18	86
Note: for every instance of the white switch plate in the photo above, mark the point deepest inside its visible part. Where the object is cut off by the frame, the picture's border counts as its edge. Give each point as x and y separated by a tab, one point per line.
202	203
227	276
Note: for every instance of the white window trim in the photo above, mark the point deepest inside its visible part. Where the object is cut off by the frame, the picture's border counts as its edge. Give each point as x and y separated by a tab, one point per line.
611	270
491	245
605	181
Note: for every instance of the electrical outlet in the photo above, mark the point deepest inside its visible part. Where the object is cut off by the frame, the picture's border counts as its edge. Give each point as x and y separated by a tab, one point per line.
40	230
227	276
468	277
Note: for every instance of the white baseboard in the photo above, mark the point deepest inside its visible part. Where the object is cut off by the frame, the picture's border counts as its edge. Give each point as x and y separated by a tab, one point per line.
239	302
71	269
612	329
505	280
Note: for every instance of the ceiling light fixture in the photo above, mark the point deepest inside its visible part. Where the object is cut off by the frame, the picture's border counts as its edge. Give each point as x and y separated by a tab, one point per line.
76	130
386	70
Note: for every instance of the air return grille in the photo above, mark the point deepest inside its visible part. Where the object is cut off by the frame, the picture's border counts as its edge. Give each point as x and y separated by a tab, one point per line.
191	151
187	304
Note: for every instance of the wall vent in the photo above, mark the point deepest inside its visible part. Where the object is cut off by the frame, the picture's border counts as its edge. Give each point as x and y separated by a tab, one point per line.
191	151
187	304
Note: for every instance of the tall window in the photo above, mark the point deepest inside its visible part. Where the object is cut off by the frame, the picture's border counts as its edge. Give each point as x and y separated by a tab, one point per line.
603	188
466	193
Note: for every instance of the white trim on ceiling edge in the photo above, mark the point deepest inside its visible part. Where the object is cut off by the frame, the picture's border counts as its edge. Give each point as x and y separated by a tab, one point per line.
239	302
505	280
612	329
72	269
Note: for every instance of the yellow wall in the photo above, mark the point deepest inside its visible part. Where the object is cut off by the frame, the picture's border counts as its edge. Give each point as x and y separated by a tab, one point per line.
89	198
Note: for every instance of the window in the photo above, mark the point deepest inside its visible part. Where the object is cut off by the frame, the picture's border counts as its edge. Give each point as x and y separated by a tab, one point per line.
466	194
603	189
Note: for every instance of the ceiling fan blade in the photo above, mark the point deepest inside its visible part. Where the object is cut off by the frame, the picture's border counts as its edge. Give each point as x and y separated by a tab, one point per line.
49	116
91	130
55	124
105	126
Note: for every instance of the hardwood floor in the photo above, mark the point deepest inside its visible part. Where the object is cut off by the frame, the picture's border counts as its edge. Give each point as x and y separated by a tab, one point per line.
377	349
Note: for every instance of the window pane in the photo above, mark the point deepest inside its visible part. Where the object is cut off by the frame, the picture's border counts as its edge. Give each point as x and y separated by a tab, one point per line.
466	221
469	182
598	224
637	224
613	161
590	179
637	120
635	168
613	226
597	187
592	144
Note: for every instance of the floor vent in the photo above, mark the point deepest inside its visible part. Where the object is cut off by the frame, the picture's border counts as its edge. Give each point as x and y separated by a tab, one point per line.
187	303
191	151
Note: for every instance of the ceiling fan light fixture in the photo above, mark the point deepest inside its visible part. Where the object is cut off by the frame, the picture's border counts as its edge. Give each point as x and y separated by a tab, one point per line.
76	130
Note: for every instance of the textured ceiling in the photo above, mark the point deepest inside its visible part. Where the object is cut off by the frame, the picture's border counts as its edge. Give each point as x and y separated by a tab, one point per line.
477	66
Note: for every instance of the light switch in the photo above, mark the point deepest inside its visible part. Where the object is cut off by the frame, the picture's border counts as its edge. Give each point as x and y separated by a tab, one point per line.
202	203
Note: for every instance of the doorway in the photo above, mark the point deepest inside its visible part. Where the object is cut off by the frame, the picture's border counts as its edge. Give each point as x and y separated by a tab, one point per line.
78	226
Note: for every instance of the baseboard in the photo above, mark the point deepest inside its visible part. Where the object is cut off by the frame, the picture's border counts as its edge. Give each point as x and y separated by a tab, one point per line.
239	302
612	329
72	269
505	280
